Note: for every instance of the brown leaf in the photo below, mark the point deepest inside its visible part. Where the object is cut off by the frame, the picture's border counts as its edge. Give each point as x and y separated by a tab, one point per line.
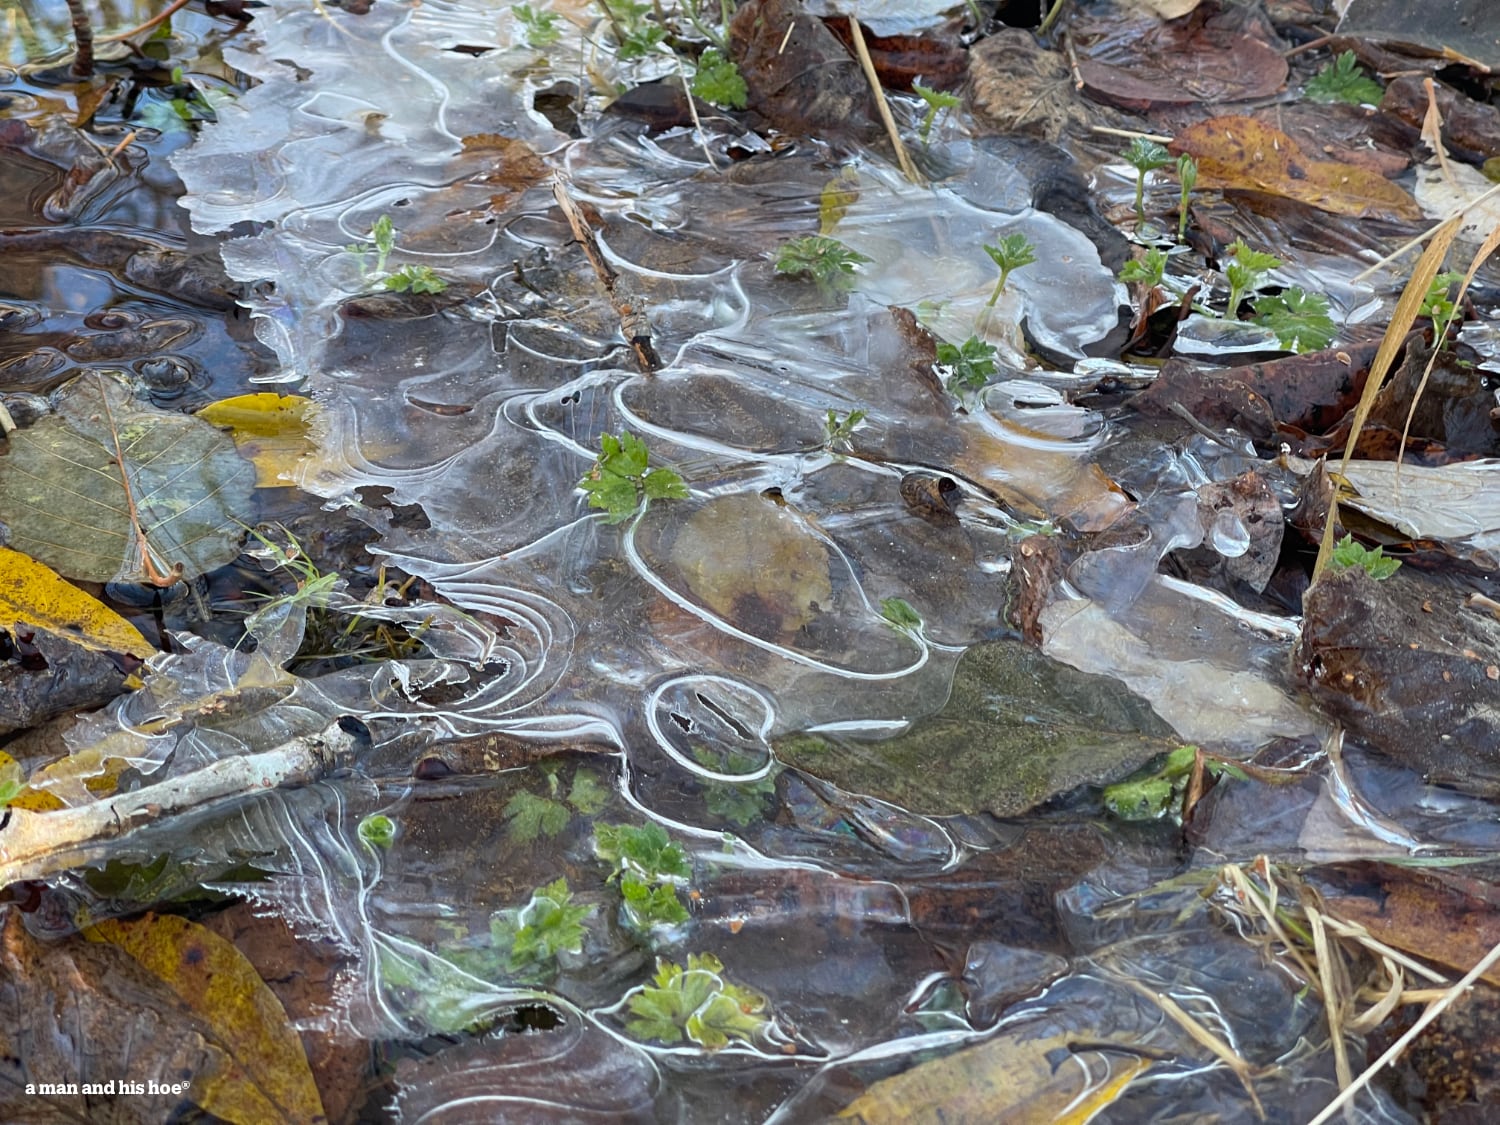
1243	154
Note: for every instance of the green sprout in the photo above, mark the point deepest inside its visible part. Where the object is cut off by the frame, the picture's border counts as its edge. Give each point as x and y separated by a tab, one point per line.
970	364
696	1003
1438	306
1245	274
619	482
637	37
718	80
1300	320
383	235
1347	553
827	261
1144	156
1158	792
1187	176
538	25
1149	271
378	831
899	615
536	933
838	432
1014	251
937	103
414	279
1344	81
648	864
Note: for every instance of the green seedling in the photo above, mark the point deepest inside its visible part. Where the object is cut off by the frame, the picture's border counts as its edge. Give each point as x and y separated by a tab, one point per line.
970	365
824	260
1144	156
186	109
899	615
620	483
536	933
1014	251
1187	177
378	831
648	905
529	817
697	1004
637	36
718	80
1300	320
383	235
538	25
1344	81
1246	273
1149	271
839	432
1159	793
414	279
648	865
937	104
1438	306
1347	553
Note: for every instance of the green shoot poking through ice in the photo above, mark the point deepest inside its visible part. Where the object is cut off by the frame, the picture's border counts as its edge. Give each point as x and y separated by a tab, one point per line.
1014	251
696	1003
1347	553
536	933
539	26
899	615
718	81
1300	320
1187	176
1343	81
839	432
937	103
970	365
377	830
619	482
1245	273
649	865
1150	271
826	261
1144	156
1159	792
414	279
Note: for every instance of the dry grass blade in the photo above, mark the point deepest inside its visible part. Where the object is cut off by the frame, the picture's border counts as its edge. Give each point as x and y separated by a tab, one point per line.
1435	1009
1402	319
1334	981
1249	895
1492	240
1205	1039
908	169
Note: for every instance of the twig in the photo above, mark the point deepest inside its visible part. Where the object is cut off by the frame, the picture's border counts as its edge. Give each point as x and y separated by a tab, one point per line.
160	17
83	41
1437	1008
1159	138
868	66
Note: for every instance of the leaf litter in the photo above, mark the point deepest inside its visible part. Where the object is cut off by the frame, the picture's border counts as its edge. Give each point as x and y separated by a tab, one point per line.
721	621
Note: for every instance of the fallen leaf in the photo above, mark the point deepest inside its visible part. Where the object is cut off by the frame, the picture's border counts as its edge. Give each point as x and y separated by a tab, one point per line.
272	430
1243	154
36	596
110	488
1010	1078
266	1077
1440	196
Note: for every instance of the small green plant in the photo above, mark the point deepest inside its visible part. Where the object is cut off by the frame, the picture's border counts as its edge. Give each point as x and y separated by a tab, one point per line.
1245	273
1344	81
1187	177
1144	156
937	104
970	365
718	80
1014	251
377	830
383	235
696	1003
536	933
739	802
648	865
1438	306
636	36
620	483
528	817
824	260
1300	320
1347	553
1149	271
414	279
1159	792
838	432
538	25
899	615
190	105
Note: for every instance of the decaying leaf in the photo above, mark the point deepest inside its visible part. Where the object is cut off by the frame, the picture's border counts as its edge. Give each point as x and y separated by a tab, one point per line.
264	1077
1020	1081
112	488
271	430
34	596
1243	154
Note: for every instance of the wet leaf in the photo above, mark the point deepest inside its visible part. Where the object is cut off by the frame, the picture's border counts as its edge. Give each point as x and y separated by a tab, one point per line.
266	1076
1022	1081
173	497
34	596
1242	154
273	431
696	1003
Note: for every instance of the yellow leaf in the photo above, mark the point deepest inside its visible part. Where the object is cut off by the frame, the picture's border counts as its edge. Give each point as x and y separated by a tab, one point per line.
36	596
272	430
268	1079
1012	1079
